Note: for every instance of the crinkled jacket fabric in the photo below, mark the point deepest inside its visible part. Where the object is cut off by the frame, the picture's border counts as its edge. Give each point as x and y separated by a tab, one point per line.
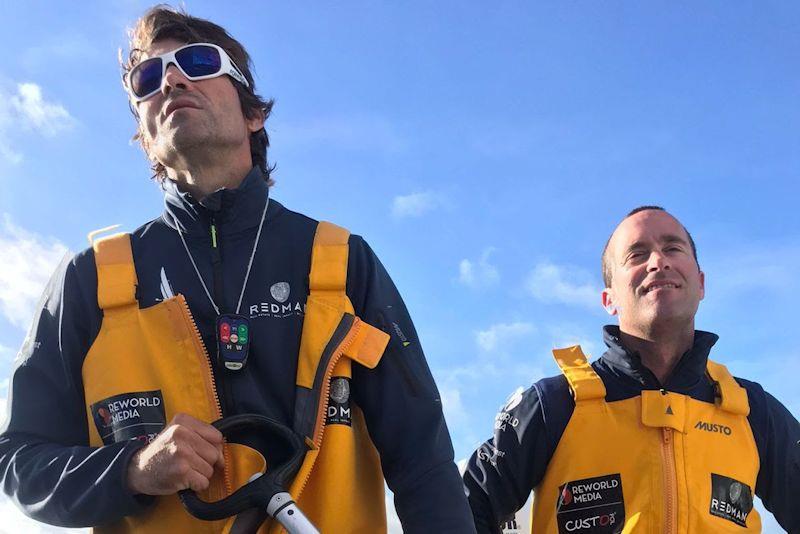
45	462
502	472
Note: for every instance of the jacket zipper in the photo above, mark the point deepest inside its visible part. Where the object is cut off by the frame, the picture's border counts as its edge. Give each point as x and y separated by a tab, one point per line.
670	481
216	265
319	428
201	346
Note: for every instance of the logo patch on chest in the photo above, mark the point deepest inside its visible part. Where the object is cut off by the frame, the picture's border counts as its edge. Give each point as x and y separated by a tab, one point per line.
591	505
138	415
339	402
730	499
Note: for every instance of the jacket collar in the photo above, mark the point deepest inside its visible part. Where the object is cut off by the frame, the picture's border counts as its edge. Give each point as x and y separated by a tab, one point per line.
690	369
233	210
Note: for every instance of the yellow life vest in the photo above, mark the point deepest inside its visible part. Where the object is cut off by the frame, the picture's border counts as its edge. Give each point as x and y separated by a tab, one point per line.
153	360
657	463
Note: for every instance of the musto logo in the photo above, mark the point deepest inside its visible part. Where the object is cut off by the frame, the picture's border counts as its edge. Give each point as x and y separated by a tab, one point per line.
139	415
591	505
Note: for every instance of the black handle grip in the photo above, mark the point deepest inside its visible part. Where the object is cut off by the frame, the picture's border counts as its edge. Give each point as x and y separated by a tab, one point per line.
284	457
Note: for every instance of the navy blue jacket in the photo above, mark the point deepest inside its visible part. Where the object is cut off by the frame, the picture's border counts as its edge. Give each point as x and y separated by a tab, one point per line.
45	463
502	472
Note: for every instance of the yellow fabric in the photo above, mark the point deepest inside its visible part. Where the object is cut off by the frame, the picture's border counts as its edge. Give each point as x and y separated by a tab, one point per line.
116	275
665	409
637	439
583	381
733	396
340	486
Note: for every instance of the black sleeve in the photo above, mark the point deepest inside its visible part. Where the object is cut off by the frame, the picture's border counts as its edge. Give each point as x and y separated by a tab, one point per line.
777	435
502	472
402	408
46	465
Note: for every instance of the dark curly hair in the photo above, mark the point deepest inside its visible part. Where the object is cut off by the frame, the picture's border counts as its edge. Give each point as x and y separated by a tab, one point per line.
166	22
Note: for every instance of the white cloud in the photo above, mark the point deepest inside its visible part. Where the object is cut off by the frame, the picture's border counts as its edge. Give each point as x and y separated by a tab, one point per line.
45	117
392	521
549	282
28	262
415	204
500	334
27	109
478	274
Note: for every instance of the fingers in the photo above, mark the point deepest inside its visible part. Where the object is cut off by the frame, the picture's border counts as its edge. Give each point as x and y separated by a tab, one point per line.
204	430
182	456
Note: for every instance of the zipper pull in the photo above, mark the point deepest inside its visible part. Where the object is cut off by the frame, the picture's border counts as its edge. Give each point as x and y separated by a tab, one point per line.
213	233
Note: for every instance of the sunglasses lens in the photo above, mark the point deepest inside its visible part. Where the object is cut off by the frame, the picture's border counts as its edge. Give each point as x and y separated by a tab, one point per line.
145	78
199	60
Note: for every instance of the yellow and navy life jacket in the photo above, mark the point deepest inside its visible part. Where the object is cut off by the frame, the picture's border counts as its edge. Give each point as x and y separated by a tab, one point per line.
660	462
153	360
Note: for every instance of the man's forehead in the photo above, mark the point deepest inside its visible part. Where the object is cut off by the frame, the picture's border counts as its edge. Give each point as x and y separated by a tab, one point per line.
161	46
645	226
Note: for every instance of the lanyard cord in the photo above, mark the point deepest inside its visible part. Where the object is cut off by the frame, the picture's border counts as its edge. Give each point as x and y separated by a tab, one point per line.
249	263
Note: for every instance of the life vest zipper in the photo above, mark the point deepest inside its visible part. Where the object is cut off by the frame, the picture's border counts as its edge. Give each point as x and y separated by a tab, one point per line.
319	427
211	385
670	481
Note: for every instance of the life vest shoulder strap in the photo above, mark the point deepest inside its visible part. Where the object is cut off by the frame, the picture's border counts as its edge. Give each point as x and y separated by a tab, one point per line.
733	397
327	301
116	273
329	257
584	383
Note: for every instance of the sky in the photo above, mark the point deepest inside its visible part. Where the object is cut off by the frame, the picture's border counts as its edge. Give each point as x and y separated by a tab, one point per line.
484	150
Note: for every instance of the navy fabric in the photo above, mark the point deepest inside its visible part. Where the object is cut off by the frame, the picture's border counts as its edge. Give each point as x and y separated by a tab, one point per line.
502	472
45	463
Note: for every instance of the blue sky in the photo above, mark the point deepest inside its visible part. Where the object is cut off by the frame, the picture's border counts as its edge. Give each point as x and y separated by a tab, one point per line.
484	151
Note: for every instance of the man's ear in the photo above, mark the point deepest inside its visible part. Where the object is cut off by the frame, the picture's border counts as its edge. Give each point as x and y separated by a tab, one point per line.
256	122
608	301
702	285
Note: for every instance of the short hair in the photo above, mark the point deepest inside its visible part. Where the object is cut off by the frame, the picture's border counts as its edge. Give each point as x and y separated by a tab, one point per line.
606	264
165	22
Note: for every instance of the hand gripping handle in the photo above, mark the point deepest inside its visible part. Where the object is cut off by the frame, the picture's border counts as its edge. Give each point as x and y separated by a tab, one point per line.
284	457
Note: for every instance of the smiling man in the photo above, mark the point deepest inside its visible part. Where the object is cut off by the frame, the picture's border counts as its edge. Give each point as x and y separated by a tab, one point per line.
652	437
227	304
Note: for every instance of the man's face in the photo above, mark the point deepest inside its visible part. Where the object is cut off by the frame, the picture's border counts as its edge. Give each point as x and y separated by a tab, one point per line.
654	276
187	117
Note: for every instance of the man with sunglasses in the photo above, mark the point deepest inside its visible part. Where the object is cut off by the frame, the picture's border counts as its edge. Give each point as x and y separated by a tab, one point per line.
653	436
219	307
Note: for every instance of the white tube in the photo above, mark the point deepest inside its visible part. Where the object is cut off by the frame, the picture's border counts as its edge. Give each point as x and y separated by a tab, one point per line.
284	509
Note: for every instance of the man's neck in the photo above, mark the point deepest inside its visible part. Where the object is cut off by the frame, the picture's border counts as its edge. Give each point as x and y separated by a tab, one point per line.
203	180
660	351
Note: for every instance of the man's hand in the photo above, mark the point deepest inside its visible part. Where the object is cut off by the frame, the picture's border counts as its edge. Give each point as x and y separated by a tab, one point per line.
182	456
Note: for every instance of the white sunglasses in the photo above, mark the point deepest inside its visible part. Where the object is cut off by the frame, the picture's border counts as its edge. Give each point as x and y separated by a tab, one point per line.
197	61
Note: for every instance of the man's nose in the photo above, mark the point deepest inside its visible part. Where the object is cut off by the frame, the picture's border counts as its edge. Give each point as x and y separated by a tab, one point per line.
173	78
658	262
